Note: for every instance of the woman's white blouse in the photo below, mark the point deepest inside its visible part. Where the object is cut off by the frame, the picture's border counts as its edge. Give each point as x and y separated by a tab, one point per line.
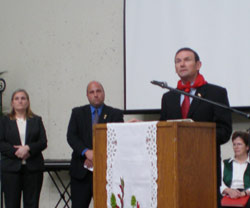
238	174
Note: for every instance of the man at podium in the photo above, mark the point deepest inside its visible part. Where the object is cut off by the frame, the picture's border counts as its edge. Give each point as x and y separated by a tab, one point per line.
79	137
176	106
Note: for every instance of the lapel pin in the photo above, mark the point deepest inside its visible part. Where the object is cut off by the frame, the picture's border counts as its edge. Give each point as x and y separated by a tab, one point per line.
199	94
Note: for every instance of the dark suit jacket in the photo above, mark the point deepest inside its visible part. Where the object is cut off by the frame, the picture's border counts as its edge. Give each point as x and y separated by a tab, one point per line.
79	134
35	138
203	112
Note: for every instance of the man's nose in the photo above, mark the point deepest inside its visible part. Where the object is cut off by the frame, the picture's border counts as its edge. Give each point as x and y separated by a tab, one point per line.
182	63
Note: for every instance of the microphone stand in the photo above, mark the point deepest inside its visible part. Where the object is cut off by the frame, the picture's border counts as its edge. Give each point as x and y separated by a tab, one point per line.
165	85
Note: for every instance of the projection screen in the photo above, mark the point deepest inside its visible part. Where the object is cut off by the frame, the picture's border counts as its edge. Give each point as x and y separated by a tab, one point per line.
219	30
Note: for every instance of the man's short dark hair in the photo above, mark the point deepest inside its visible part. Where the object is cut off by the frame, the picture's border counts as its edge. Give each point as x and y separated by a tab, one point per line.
196	56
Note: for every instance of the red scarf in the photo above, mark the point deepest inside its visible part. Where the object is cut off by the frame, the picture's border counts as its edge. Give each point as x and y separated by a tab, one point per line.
199	81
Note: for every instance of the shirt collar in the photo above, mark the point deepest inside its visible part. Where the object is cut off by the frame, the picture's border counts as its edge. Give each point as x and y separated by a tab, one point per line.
21	119
233	159
99	110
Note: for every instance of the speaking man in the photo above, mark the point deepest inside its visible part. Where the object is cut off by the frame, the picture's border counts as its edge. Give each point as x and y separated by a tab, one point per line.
176	106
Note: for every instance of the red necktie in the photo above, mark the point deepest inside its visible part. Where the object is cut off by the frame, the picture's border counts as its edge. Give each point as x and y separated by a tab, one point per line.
200	81
185	107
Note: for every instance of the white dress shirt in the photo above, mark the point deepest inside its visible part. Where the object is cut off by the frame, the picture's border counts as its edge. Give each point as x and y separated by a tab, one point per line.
21	124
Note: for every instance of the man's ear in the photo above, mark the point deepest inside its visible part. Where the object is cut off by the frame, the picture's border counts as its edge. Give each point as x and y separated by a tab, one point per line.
198	65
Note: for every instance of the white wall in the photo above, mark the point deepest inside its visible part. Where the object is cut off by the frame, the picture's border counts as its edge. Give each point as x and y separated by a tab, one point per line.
155	30
53	48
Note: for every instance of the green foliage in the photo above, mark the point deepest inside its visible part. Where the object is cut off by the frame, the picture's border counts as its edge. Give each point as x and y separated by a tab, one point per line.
113	201
122	182
133	201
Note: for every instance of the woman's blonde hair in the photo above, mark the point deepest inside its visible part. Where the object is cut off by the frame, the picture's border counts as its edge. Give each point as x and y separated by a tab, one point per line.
12	113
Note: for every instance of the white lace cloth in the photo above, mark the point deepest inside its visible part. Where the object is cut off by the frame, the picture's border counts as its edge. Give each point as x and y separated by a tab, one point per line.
131	155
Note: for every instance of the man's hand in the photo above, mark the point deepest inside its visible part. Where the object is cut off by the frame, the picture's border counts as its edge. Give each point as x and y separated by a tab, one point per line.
22	151
89	155
133	120
88	163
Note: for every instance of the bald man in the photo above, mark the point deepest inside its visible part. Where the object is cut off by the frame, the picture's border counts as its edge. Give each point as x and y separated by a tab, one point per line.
79	137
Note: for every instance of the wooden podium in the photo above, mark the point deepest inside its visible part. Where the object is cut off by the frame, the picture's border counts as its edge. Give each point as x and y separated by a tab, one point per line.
186	161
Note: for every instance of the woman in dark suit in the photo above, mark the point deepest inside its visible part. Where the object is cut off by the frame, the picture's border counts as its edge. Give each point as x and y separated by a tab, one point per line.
22	140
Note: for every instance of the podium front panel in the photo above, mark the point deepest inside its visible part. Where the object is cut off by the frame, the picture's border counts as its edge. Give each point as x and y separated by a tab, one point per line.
186	162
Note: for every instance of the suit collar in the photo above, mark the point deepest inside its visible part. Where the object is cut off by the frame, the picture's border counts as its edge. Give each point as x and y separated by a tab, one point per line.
28	127
15	131
176	104
104	115
200	92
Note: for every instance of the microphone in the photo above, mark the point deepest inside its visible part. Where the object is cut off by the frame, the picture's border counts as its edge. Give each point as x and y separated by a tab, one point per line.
161	84
165	85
